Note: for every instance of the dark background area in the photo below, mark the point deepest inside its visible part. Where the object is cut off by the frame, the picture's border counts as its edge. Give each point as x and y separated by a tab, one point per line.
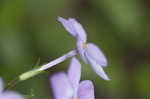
29	30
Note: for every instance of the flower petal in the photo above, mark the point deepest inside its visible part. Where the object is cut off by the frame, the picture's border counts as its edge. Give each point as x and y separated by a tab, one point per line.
97	68
96	54
61	86
81	50
1	85
74	28
74	73
86	90
10	95
68	26
79	29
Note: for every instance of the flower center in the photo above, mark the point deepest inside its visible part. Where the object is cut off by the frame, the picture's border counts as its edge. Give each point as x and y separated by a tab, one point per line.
84	45
74	98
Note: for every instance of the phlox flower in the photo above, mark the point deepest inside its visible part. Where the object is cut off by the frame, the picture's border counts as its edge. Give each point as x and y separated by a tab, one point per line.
89	52
68	85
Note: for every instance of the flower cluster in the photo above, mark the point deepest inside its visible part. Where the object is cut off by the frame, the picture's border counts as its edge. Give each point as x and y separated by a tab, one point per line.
68	85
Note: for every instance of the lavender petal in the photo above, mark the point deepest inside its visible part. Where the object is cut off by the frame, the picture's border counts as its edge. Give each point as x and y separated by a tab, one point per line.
74	73
79	29
86	90
97	68
10	95
1	85
96	54
61	86
68	26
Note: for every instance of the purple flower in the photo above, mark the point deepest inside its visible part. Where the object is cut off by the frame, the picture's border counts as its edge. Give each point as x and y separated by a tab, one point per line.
68	86
89	52
8	94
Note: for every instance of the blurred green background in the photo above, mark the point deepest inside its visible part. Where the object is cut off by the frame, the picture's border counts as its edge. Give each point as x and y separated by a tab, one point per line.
29	30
